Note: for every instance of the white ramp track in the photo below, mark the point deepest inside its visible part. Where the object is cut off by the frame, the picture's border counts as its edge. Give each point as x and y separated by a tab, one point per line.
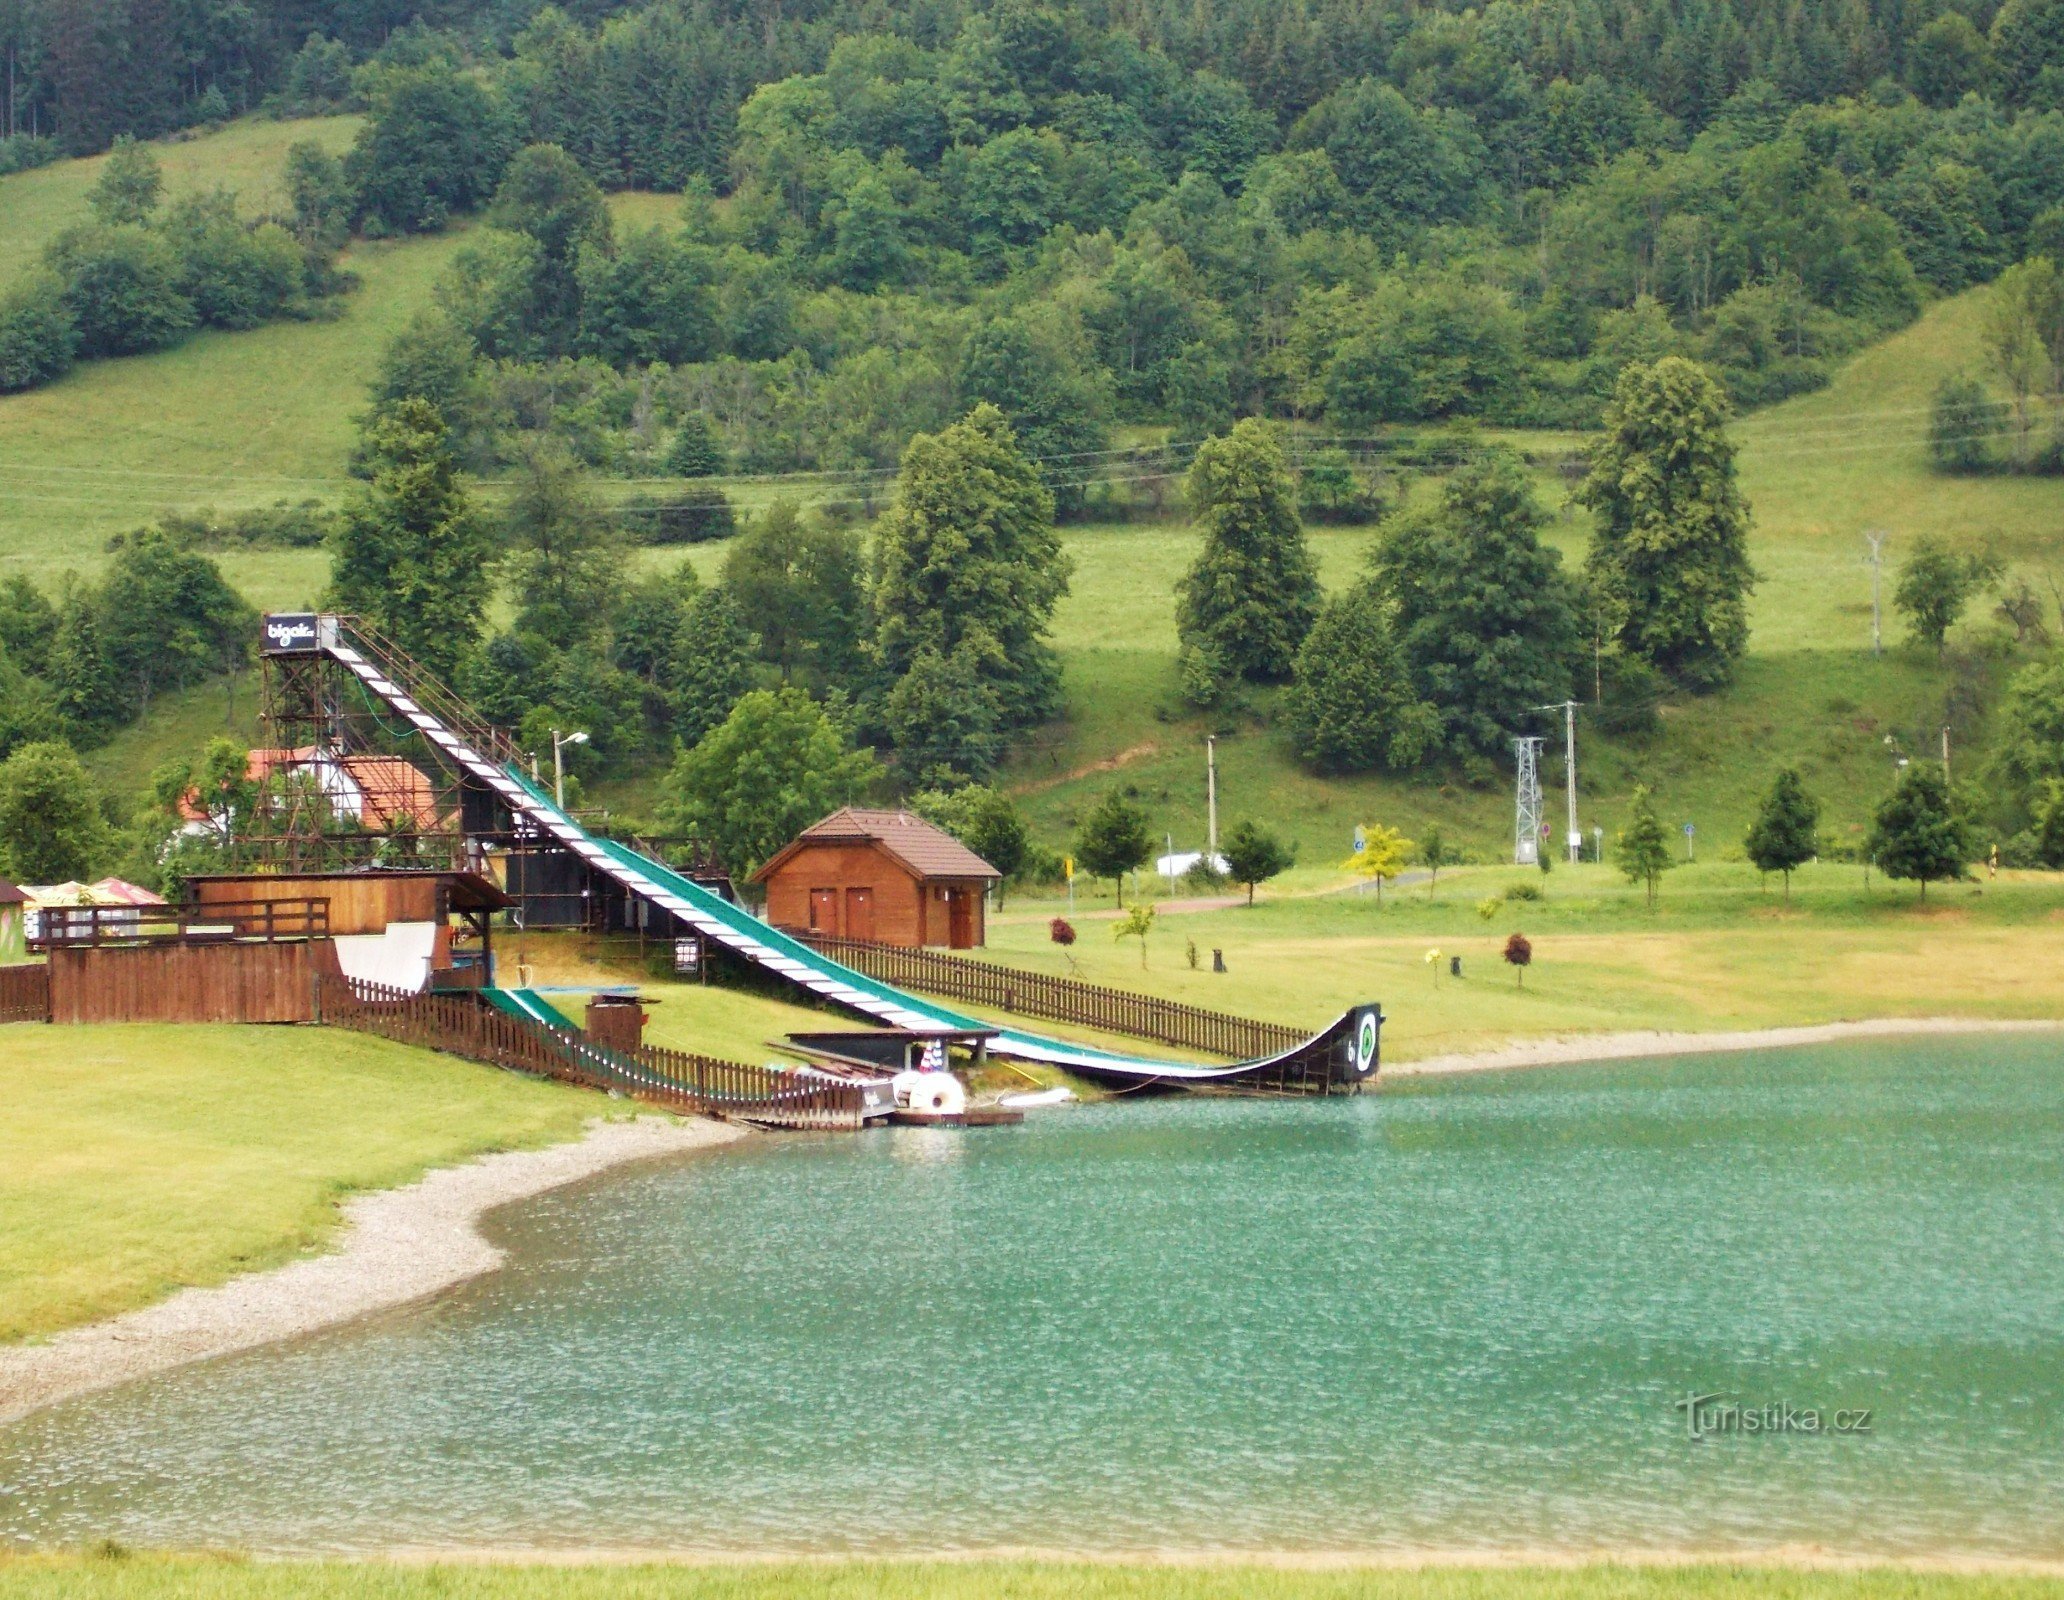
740	932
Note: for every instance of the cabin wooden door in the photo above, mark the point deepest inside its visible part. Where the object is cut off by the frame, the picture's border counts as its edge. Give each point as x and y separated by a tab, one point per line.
859	913
960	919
824	911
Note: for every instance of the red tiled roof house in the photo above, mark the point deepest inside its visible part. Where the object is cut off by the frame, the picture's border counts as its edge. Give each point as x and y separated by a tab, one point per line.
886	876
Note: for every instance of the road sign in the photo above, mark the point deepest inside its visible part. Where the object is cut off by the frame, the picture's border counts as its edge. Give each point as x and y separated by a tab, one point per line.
1361	839
1068	867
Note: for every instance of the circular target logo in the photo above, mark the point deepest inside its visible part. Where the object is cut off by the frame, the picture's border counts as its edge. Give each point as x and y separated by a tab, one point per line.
1365	1044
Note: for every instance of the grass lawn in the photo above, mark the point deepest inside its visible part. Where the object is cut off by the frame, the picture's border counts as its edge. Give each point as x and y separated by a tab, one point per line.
136	1160
247	158
140	1578
1720	951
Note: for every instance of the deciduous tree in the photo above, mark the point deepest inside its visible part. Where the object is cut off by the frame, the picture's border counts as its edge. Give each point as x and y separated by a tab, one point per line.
1254	854
1114	840
968	551
1920	833
1935	586
775	765
1784	834
1671	541
1642	848
51	826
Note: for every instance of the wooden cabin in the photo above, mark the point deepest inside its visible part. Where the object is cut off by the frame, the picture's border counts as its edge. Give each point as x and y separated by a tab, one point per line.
885	876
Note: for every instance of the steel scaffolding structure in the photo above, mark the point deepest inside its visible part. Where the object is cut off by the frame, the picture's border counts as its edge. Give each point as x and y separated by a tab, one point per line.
1526	827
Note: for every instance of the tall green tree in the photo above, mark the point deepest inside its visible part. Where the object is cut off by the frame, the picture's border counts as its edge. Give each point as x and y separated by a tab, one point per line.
695	452
1671	541
1114	840
1352	706
411	555
943	717
1486	619
710	668
52	829
984	819
1642	849
1920	833
129	186
545	195
1253	593
799	580
775	765
967	554
563	553
1785	834
1254	854
1935	586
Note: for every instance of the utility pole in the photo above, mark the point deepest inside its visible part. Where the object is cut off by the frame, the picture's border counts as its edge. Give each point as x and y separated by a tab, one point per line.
1526	822
1877	566
1945	752
1211	800
1573	840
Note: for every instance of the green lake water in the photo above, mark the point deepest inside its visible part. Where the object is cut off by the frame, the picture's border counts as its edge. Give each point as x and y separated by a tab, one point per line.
1448	1314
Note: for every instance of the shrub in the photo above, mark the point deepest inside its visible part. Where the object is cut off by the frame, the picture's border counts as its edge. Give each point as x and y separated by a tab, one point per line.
695	513
38	336
122	287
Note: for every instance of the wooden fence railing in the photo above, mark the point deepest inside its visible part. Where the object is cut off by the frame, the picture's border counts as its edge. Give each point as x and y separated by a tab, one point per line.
221	922
1038	994
25	994
704	1085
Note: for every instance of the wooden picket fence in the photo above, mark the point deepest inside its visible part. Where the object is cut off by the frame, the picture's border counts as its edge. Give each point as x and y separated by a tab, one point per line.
1038	994
462	1025
25	993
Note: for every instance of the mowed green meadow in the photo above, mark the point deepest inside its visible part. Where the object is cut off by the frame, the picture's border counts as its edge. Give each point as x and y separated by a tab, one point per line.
135	1160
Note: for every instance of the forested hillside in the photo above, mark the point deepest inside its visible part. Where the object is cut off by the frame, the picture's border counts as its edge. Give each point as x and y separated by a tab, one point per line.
870	298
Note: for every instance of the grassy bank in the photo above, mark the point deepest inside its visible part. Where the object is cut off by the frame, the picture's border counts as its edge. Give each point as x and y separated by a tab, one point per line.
1721	950
137	1160
202	1579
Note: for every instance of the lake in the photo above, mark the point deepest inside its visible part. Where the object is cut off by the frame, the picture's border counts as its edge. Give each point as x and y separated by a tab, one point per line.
1460	1313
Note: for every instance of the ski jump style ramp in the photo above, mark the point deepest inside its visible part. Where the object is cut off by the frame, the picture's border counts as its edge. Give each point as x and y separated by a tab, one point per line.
1345	1054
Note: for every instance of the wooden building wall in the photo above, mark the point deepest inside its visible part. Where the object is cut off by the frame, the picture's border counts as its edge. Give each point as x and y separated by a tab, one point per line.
189	982
358	904
897	907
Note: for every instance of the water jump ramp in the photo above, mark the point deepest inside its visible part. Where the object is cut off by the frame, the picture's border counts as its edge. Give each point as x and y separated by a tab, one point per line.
1338	1059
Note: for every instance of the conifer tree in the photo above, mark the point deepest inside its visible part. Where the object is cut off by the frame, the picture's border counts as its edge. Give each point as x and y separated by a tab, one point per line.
1783	835
563	554
410	554
1253	593
1352	706
695	452
711	668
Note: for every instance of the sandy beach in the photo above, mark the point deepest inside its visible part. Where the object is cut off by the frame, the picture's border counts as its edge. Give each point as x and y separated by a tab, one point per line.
397	1246
1575	1048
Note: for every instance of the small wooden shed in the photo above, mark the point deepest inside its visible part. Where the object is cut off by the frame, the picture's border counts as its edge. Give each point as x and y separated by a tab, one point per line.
885	876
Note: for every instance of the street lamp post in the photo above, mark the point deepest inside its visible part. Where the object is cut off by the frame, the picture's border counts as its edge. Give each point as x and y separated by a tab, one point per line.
559	764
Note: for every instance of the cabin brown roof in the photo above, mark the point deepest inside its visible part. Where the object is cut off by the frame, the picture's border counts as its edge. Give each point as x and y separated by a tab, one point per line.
928	851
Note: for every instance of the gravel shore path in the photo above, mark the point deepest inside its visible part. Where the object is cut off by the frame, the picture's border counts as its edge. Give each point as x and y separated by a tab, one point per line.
398	1245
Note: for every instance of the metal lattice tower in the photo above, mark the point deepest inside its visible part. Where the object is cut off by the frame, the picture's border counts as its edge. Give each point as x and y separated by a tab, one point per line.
1526	826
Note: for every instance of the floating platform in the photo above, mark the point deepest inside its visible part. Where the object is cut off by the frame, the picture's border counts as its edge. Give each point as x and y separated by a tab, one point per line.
973	1117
